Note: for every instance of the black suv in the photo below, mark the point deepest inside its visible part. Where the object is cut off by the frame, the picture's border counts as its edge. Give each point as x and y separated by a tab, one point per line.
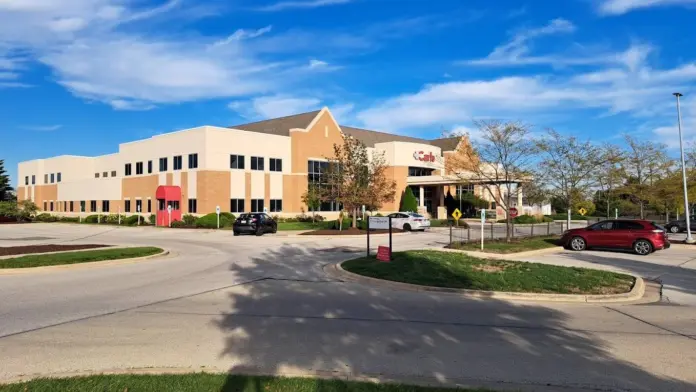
677	226
254	223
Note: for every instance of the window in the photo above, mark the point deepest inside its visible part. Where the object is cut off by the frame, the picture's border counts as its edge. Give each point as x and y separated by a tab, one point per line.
608	225
463	189
138	205
96	175
58	177
276	164
236	161
33	179
192	206
82	206
419	171
127	171
163	164
256	205
276	205
626	225
149	205
237	205
93	206
174	204
51	204
44	207
138	168
149	167
53	179
177	162
257	163
317	172
105	206
45	178
193	161
113	173
26	180
71	206
105	174
127	206
65	206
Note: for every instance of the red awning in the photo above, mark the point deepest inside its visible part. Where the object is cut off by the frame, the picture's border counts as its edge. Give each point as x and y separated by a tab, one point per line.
168	192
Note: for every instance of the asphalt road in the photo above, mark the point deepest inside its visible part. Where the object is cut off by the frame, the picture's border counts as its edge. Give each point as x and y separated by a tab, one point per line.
249	304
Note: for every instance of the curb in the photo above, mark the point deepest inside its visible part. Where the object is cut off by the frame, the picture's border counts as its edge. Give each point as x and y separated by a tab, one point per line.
91	264
337	272
498	256
62	251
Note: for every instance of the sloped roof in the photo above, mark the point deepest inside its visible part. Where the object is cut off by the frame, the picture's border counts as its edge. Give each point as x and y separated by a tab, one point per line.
447	143
370	138
279	126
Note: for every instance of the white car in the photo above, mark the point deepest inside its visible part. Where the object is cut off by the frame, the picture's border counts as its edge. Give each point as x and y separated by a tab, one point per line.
409	221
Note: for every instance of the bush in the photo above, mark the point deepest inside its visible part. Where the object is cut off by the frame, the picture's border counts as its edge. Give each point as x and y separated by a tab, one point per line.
152	219
188	220
91	219
112	219
378	215
230	216
565	216
447	222
70	219
528	219
210	221
178	224
8	209
132	220
409	203
46	217
26	209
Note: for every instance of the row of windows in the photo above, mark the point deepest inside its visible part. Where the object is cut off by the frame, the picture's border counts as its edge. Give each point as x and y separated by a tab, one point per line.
105	174
69	206
419	171
33	180
163	165
257	205
257	163
236	205
55	177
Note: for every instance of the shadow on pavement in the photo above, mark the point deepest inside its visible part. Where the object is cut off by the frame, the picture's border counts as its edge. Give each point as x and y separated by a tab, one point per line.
308	325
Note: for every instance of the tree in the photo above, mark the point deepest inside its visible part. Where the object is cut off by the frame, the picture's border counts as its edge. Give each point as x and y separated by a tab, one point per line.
409	203
646	162
8	209
355	178
26	209
5	188
568	167
312	198
501	158
610	174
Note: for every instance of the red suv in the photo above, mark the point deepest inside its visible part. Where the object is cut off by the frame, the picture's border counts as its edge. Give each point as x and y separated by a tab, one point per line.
644	237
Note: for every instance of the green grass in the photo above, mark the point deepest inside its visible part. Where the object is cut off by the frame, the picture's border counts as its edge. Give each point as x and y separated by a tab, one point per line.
514	246
202	382
285	226
457	270
77	257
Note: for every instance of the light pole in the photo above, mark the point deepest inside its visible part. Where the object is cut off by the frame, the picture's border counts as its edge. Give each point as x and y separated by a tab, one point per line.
689	238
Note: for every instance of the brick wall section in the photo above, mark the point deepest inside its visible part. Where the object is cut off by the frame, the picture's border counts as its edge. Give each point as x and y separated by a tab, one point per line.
398	174
45	193
20	192
247	191
212	189
143	187
294	187
267	190
184	194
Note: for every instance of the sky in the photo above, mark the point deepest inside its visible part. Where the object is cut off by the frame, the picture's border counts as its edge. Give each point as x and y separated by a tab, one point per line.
78	77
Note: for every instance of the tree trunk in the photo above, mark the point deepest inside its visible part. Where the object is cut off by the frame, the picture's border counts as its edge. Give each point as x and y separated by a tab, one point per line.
355	218
642	213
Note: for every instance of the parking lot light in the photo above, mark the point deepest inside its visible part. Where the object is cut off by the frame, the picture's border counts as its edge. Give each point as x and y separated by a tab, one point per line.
689	238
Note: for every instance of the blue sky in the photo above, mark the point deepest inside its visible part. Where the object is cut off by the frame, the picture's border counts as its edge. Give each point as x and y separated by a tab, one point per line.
80	76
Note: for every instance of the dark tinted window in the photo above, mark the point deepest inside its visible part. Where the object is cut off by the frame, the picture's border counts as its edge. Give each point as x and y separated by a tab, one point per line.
608	225
627	225
193	161
138	168
236	161
177	162
149	166
163	164
127	169
257	163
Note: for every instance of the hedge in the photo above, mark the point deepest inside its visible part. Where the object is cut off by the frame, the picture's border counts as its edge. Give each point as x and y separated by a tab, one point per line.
210	221
46	217
565	216
528	219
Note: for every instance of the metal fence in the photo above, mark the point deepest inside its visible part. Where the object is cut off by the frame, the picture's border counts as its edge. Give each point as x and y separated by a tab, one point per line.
493	231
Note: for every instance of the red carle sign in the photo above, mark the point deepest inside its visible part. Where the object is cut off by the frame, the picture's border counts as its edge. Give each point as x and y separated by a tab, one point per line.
383	253
513	212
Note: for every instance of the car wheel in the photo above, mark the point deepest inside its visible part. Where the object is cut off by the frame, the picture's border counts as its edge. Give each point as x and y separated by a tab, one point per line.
407	227
275	230
236	233
577	244
643	247
259	232
674	229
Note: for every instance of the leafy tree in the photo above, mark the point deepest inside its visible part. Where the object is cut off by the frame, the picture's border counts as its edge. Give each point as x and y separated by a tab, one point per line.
610	175
6	193
646	162
26	209
312	198
8	209
588	205
409	203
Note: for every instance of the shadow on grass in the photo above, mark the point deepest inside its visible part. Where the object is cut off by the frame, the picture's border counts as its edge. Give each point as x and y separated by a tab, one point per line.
296	321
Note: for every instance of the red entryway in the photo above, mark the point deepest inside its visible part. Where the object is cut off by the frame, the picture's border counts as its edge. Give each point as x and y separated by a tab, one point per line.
168	195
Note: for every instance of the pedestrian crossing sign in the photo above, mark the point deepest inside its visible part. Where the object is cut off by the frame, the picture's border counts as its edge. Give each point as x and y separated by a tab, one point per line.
457	214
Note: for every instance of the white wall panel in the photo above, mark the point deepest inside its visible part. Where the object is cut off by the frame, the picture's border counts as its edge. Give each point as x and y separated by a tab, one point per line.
162	179
276	186
237	184
258	185
191	184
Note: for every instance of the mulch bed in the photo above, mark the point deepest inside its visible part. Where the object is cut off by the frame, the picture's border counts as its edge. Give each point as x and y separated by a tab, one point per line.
21	250
349	231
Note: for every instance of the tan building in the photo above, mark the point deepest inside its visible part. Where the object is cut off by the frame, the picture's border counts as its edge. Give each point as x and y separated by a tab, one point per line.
265	165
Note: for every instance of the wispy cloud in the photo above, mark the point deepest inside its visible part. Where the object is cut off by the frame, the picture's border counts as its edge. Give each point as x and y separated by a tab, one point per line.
284	5
274	106
42	128
242	34
619	7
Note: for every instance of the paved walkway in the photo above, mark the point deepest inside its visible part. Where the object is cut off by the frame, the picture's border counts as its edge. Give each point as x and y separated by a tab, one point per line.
263	304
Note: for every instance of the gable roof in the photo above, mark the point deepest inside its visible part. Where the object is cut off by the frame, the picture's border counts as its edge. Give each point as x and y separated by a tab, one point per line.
370	138
446	143
279	126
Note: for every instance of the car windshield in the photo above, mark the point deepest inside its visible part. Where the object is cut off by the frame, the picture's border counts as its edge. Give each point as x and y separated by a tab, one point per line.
658	227
245	216
413	214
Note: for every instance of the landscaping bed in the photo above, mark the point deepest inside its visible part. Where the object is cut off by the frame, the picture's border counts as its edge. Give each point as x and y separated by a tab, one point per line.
349	231
460	271
515	245
77	257
26	249
206	382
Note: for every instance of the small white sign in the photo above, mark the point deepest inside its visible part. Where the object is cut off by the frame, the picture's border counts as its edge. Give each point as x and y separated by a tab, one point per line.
138	208
483	216
363	209
169	208
379	222
265	210
217	210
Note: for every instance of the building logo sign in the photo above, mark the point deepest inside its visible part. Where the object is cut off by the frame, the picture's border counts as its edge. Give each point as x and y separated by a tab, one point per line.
423	157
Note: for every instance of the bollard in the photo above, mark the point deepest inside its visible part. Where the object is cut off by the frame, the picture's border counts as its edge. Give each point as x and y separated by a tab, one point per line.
450	235
532	234
548	228
468	233
513	229
492	235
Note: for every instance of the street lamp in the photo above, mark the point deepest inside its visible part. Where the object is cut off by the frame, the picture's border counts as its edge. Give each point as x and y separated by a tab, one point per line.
689	239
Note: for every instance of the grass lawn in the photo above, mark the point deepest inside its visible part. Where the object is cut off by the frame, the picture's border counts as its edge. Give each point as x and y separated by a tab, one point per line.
283	226
77	257
202	382
457	270
514	246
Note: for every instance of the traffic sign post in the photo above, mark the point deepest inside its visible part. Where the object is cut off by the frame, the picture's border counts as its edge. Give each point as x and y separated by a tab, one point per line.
483	222
456	215
119	215
217	211
169	214
137	209
582	211
375	222
513	212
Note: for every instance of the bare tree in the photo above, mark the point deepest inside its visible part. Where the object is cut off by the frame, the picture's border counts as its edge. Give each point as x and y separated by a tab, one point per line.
610	172
645	164
568	166
500	159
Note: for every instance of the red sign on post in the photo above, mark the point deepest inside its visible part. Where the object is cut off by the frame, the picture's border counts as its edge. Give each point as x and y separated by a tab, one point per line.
513	212
383	253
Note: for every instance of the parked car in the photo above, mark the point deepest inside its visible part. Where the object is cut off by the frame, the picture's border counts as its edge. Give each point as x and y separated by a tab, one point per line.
408	221
679	225
257	223
643	237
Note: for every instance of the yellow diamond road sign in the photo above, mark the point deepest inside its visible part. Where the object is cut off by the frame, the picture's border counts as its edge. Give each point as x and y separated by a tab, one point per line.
457	214
582	211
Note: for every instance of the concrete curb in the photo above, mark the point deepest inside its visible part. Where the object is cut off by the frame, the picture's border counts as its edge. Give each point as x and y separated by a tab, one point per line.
340	236
62	251
502	256
91	264
337	272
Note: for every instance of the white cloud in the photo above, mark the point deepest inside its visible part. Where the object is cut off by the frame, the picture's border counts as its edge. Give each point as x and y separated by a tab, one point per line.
284	5
8	75
42	128
619	7
67	24
125	104
317	64
242	34
274	106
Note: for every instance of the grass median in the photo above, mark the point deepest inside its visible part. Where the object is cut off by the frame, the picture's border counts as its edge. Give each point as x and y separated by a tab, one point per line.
203	382
77	257
456	270
514	246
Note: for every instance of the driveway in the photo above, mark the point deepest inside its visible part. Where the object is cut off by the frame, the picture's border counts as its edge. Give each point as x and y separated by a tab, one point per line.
264	305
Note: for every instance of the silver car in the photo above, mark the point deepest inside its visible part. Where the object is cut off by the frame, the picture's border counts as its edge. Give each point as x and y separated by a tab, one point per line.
409	221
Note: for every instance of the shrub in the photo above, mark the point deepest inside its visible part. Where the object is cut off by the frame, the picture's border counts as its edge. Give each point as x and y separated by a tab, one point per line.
179	224
132	220
528	219
152	219
112	219
409	203
188	220
26	209
70	219
378	214
565	216
8	209
230	216
91	219
210	221
46	217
